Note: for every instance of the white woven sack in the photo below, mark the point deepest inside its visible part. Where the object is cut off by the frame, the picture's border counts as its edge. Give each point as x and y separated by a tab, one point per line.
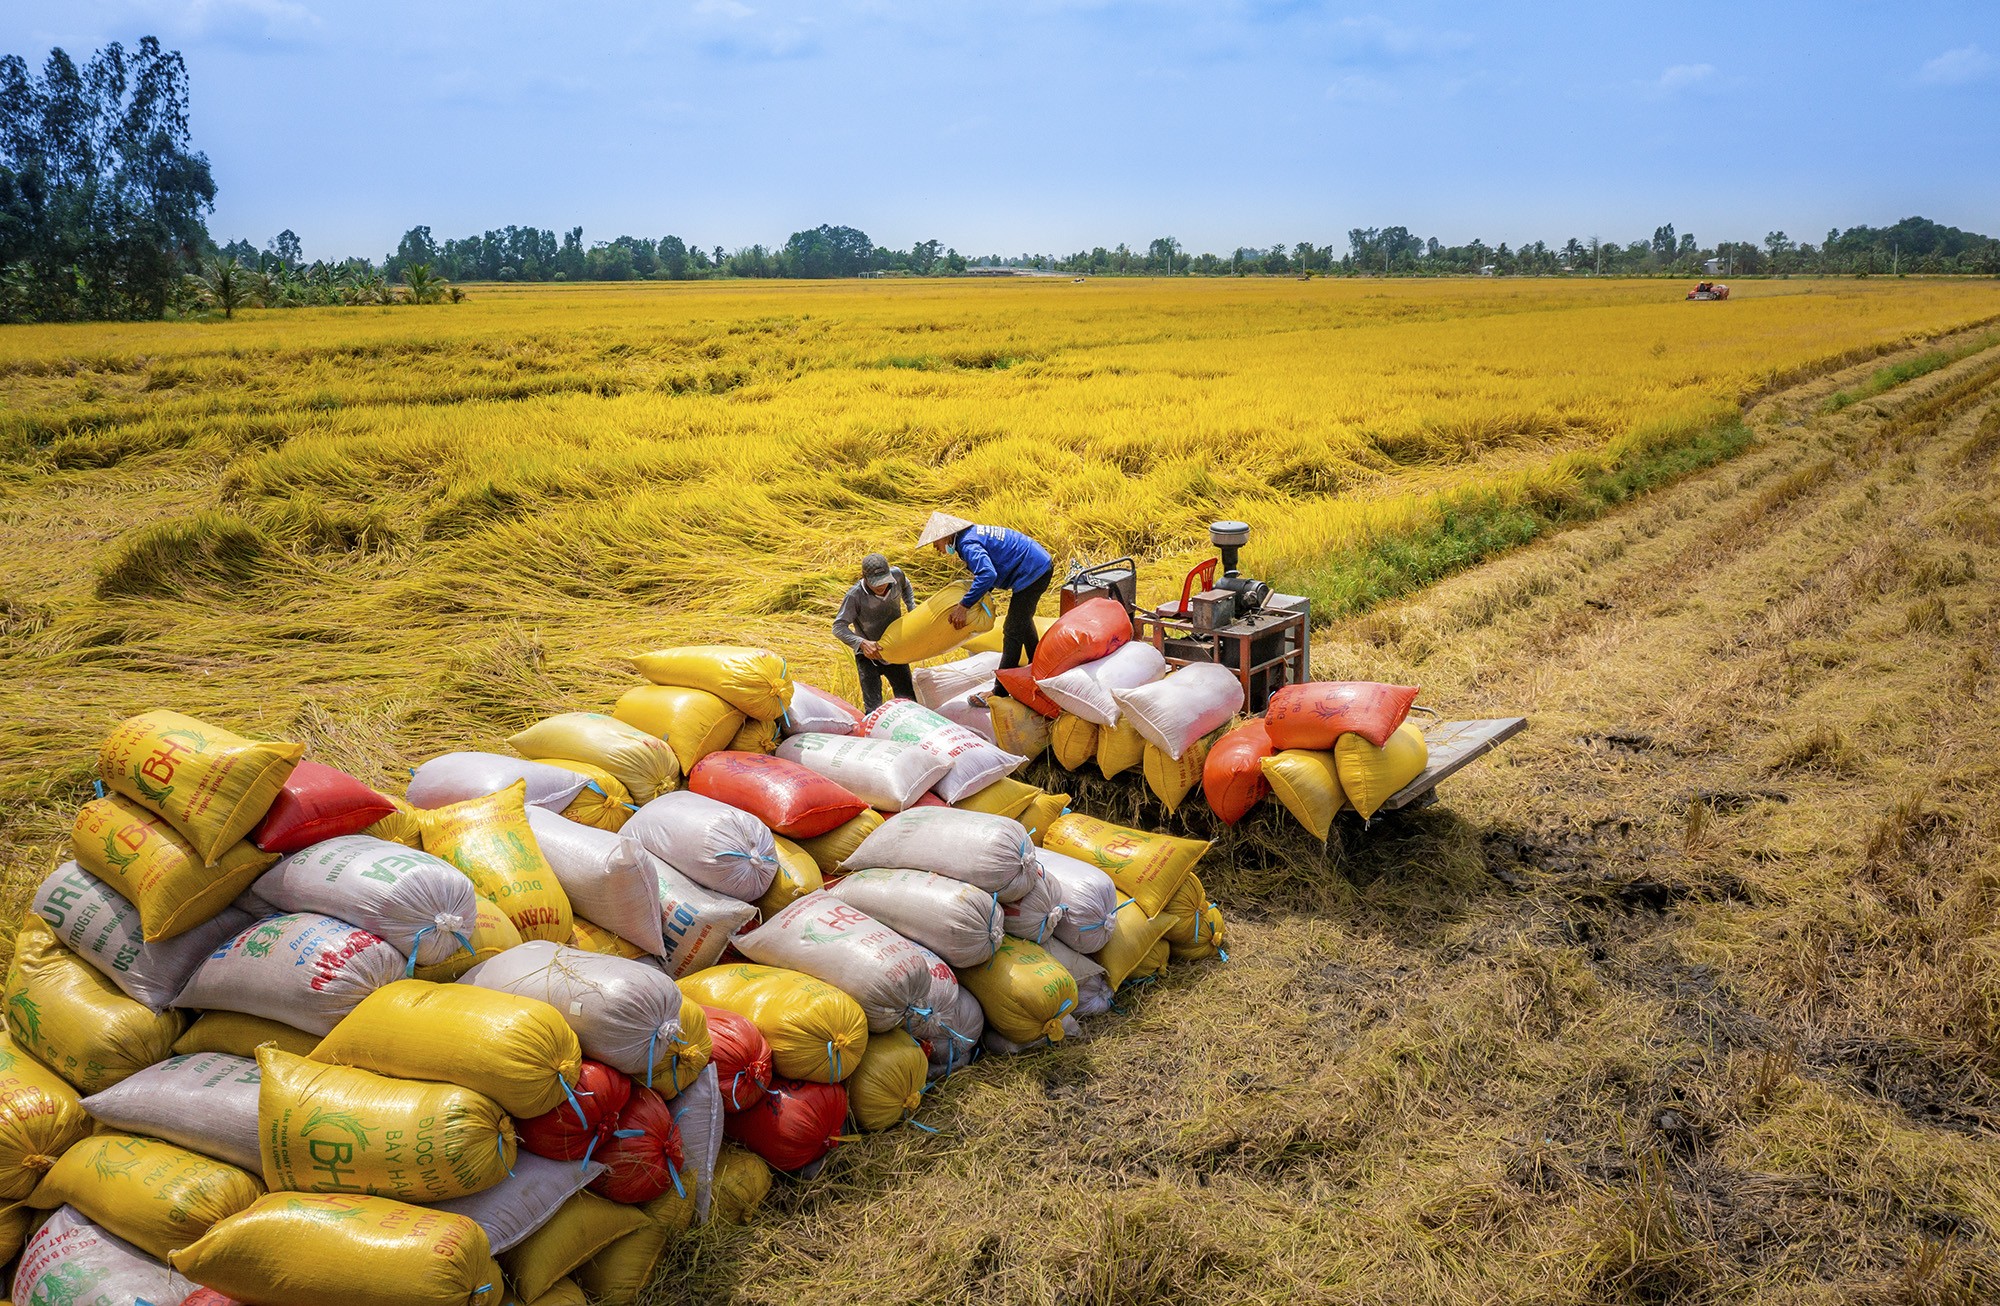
960	712
1090	900
204	1101
1093	982
698	1115
626	1013
987	851
1034	914
939	685
836	942
963	1030
1086	690
300	969
695	923
815	712
1172	713
942	1025
423	905
958	921
608	879
98	924
72	1260
528	1198
975	761
457	777
717	846
998	1044
884	774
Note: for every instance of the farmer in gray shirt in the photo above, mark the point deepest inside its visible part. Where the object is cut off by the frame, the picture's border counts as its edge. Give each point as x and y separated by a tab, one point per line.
878	598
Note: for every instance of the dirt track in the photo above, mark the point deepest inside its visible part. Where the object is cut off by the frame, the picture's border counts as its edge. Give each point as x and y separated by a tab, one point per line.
1690	994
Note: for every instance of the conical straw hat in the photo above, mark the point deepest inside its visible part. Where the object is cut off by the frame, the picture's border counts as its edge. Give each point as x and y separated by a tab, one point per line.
940	526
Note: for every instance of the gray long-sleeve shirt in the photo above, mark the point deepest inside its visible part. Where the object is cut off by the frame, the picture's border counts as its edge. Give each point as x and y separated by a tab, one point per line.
865	615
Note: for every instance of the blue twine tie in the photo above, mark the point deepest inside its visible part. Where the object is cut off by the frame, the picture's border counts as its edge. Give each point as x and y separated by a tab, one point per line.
500	1146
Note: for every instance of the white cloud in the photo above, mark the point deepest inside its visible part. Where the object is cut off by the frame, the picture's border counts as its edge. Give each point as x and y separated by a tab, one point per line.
1381	36
1360	88
1682	76
1957	67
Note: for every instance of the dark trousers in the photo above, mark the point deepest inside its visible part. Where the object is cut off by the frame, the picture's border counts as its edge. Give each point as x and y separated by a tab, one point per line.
871	673
1017	634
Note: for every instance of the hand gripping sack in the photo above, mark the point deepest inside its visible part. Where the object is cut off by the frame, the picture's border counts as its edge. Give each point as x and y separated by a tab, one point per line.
582	1227
795	1125
1172	714
1035	914
1172	778
926	631
1088	896
817	712
741	1057
300	1249
888	1086
698	1115
142	857
525	1200
1308	786
206	1102
73	1020
696	924
822	936
602	803
423	905
1371	776
72	1260
1133	936
491	840
152	1194
940	684
644	763
815	1031
40	1119
625	1013
305	970
798	875
515	1050
754	681
317	802
693	722
1315	714
1008	798
608	878
989	852
1024	992
335	1129
1016	728
642	1159
1086	690
1232	776
791	799
96	923
492	934
573	1129
1148	867
210	785
883	773
1091	630
1120	748
975	763
956	920
457	777
236	1034
1093	985
717	846
1073	740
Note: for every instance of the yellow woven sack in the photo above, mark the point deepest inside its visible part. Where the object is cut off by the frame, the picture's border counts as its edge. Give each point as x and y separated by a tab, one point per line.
240	1035
754	681
335	1129
1205	939
17	1220
1170	780
1120	748
829	850
993	639
643	762
212	786
1018	728
563	1292
517	1051
490	840
141	856
755	736
691	1051
299	1249
1041	814
405	826
1186	906
1307	785
1133	934
622	1270
152	1194
492	934
798	875
1370	776
581	1228
924	632
815	1031
66	1014
742	1181
1148	867
1154	963
1023	991
1004	797
592	937
603	803
694	722
1073	740
888	1085
41	1117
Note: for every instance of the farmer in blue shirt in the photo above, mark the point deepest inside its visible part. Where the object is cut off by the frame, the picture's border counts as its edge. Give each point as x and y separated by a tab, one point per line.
999	559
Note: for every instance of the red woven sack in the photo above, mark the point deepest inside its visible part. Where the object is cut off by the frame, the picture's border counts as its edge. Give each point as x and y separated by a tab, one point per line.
1020	682
796	1124
643	1155
208	1297
796	802
1314	715
1233	776
318	803
1090	630
929	799
561	1134
741	1057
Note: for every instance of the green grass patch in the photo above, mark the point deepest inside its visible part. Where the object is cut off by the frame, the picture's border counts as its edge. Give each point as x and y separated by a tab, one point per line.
1888	378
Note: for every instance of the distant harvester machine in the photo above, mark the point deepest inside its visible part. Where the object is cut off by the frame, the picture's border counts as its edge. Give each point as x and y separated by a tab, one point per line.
1709	290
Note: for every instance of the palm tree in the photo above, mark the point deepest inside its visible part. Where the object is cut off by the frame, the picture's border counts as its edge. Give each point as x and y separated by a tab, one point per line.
228	285
425	286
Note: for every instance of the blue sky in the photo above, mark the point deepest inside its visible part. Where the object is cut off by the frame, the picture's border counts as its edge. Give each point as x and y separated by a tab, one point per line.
1053	125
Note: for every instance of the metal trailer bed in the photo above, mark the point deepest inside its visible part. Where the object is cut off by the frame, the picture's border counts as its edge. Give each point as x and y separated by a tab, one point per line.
1454	745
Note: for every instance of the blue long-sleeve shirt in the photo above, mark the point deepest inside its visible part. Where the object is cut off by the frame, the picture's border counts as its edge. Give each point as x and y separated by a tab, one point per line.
999	558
